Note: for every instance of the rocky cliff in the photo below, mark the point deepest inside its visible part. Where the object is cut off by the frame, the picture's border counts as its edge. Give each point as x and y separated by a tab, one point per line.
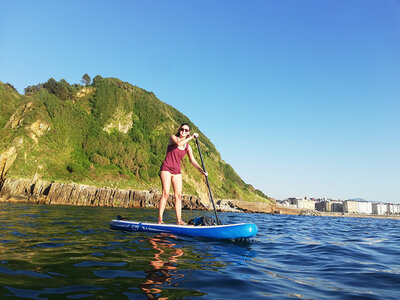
45	192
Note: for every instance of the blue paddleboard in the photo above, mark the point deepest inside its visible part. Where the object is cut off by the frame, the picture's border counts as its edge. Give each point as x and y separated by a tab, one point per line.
232	231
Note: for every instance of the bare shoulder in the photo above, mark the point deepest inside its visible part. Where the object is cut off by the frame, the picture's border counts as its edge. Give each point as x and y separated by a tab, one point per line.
173	139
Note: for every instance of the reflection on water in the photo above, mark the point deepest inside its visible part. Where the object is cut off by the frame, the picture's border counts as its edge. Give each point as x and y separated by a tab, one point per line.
160	274
49	252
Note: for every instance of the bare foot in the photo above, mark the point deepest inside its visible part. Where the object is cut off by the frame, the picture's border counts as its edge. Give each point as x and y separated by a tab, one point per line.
181	223
160	222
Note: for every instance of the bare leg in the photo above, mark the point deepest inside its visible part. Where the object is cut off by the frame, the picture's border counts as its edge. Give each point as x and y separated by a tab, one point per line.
177	184
166	185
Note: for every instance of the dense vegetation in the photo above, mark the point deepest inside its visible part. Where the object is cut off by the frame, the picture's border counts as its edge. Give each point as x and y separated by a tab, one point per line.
104	132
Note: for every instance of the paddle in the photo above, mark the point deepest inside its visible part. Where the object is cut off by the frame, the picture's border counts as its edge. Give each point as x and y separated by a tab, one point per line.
208	184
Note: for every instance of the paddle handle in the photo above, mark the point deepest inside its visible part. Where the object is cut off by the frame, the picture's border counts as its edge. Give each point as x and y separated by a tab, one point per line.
208	184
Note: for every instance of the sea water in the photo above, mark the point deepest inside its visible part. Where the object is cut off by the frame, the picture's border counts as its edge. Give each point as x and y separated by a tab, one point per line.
68	252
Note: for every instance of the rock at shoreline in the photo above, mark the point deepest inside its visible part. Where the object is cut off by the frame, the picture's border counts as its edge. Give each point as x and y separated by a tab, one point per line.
46	192
309	212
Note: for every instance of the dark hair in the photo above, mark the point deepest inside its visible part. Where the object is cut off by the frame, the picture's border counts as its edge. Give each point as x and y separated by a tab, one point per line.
179	130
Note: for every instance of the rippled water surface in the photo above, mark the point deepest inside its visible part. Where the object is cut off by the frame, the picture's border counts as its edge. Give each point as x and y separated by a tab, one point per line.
49	252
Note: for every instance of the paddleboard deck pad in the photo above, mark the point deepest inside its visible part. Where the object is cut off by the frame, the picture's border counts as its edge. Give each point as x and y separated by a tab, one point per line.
232	231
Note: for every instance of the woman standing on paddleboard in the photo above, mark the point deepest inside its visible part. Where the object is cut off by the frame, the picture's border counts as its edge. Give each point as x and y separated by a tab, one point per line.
170	171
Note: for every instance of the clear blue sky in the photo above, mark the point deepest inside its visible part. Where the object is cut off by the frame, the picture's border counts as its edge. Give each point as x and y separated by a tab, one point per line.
302	98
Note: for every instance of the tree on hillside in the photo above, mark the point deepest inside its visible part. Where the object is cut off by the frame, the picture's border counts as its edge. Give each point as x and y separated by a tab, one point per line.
96	79
11	86
51	85
61	90
86	79
31	89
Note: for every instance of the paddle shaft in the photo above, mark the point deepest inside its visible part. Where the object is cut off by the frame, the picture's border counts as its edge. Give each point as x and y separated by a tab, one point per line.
208	183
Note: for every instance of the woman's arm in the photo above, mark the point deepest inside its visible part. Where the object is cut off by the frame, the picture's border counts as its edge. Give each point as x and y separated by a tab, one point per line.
194	162
174	139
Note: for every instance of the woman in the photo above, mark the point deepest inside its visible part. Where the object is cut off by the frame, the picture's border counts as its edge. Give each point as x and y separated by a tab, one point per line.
170	171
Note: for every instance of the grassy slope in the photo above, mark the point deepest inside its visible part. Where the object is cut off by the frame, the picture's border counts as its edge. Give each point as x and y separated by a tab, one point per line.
64	139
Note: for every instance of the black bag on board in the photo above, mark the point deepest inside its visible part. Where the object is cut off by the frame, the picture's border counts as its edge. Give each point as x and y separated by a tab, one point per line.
202	221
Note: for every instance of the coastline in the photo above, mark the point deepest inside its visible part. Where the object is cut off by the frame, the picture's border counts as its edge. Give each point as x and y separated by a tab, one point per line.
34	191
345	215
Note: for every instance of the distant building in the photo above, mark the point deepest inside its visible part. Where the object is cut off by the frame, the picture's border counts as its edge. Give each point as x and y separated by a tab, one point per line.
379	208
329	206
365	208
350	207
286	203
308	204
393	209
322	206
304	203
337	206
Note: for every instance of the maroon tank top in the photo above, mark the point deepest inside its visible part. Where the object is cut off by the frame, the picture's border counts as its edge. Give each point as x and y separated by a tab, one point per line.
173	159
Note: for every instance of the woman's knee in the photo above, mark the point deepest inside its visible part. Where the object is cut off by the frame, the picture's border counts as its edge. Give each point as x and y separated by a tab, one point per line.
178	197
164	195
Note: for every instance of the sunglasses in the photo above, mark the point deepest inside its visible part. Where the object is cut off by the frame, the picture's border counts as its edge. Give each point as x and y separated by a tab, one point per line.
185	130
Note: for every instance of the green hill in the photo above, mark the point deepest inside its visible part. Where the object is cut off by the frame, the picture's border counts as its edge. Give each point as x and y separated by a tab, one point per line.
108	133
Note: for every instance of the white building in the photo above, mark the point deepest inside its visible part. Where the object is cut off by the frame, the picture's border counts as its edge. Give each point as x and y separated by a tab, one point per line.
365	208
304	203
379	208
350	207
393	209
286	203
